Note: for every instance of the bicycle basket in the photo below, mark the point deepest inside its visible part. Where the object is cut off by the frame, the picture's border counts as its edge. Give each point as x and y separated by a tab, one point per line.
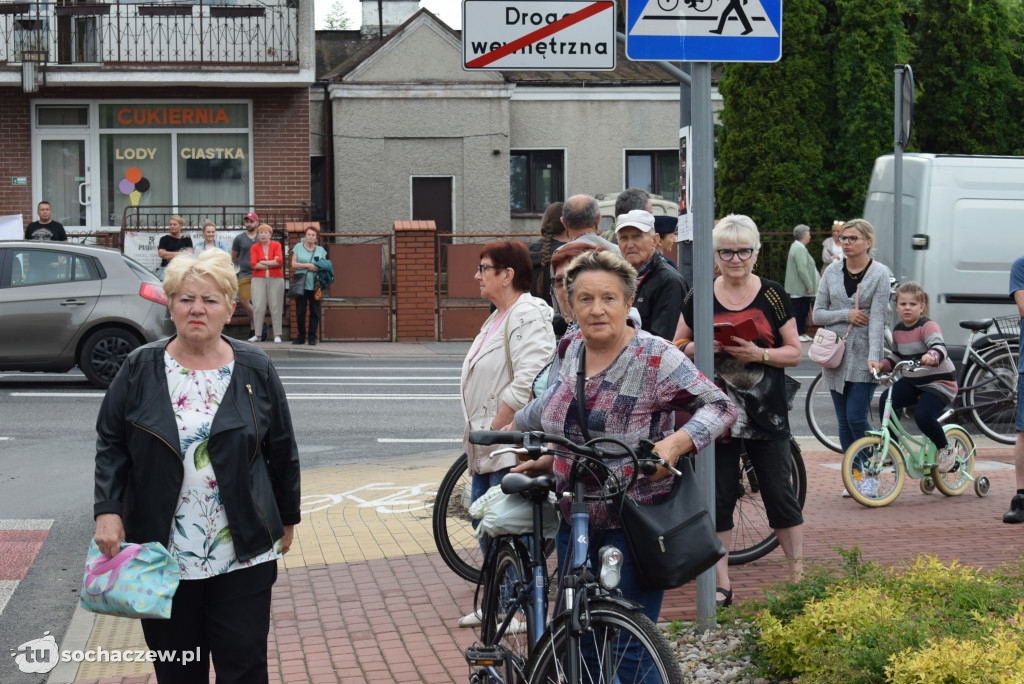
1008	326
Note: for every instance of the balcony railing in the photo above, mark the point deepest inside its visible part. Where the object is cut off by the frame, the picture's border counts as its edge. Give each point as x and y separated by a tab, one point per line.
205	32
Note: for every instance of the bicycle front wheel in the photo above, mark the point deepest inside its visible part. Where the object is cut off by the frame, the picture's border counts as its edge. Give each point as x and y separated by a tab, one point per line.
752	537
992	393
453	527
821	415
872	478
956	481
622	646
508	596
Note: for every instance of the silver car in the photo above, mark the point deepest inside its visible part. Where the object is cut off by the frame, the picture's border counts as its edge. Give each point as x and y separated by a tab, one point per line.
64	305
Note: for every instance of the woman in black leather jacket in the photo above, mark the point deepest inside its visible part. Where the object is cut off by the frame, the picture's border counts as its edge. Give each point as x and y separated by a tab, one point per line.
195	449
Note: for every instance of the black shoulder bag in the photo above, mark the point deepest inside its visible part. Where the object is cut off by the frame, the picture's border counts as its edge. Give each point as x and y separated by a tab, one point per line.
673	540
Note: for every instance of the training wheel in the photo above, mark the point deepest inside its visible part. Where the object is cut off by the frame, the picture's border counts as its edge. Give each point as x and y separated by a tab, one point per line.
927	484
981	486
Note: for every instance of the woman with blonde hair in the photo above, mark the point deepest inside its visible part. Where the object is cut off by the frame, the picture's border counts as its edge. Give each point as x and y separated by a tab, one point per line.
195	449
173	244
852	302
752	373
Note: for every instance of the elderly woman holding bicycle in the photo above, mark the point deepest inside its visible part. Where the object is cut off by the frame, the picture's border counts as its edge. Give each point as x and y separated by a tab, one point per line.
750	365
633	384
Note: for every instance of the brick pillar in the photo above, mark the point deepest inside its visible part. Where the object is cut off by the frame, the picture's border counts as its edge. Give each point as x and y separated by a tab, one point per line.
415	281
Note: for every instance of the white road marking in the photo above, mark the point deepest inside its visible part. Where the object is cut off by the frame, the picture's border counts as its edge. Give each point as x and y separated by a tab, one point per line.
425	440
376	378
415	397
61	395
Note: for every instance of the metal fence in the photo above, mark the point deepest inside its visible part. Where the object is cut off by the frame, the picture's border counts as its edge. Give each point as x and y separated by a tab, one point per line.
221	33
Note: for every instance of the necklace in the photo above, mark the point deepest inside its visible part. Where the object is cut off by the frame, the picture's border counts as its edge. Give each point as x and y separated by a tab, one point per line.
859	274
732	302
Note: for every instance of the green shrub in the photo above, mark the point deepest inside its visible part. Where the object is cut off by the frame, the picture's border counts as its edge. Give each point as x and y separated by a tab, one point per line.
923	621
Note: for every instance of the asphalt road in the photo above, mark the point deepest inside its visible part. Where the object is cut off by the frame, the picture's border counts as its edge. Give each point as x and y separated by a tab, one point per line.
344	410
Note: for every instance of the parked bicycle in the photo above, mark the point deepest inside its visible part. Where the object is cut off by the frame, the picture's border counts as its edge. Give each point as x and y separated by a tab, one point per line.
987	379
596	635
454	538
876	466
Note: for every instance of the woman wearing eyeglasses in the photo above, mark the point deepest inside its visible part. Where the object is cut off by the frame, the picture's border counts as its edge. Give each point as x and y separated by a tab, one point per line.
752	373
841	306
514	343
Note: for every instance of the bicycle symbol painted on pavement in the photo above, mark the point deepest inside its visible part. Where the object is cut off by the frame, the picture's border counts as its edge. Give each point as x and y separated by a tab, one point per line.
385	497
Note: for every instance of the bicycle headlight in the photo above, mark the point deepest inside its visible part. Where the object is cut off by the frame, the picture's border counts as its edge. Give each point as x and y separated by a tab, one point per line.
611	567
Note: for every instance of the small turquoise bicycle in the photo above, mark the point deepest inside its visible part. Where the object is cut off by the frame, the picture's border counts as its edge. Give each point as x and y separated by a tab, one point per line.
876	466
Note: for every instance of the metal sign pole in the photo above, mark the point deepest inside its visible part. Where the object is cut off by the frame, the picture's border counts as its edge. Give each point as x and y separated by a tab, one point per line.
897	173
702	208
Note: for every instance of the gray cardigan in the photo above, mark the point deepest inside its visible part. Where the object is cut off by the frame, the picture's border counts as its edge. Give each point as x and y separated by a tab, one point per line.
831	310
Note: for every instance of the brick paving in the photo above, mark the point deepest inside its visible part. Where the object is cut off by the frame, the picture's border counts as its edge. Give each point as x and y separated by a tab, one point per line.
365	598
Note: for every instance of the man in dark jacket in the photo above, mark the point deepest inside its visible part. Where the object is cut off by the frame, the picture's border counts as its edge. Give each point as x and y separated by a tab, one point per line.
660	289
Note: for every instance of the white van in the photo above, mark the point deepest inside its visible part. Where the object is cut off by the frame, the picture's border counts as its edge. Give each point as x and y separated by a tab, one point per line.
963	226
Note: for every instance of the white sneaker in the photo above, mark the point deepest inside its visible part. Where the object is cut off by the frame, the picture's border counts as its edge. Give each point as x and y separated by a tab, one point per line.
869	487
846	494
516	627
277	340
806	338
254	338
946	459
471	620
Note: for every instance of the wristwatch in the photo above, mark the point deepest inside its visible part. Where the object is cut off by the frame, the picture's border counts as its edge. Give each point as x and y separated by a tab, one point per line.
765	357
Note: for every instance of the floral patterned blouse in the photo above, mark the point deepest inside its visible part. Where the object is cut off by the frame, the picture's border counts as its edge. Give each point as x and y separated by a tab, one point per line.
201	539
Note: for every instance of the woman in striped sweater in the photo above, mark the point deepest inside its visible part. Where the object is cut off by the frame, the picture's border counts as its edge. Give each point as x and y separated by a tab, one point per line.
933	385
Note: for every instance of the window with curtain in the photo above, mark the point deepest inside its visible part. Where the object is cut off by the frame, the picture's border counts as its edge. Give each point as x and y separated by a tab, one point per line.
537	179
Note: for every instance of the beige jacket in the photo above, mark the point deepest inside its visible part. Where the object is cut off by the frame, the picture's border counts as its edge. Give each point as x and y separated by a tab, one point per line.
485	379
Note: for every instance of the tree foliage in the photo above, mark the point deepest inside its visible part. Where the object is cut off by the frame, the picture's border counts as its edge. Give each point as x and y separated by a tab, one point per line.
799	137
337	19
870	40
970	97
773	146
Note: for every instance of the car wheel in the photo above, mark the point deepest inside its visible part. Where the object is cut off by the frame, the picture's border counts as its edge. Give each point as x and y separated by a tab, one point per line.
103	353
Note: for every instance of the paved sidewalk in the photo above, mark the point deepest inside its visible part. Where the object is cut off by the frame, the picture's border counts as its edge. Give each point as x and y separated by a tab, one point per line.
364	597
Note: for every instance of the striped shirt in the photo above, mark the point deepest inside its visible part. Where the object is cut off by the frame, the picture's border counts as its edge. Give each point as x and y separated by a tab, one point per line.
913	343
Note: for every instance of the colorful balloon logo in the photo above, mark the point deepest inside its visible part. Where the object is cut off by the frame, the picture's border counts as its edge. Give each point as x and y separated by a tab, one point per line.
133	185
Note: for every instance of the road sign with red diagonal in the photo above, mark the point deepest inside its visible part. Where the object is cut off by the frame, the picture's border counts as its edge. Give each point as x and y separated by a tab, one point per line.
538	35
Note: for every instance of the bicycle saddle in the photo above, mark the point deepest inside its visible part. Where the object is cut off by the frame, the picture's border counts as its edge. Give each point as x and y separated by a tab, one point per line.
978	325
520	483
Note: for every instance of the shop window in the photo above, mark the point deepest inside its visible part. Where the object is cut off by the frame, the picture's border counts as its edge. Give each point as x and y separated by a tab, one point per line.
135	171
537	179
656	171
213	169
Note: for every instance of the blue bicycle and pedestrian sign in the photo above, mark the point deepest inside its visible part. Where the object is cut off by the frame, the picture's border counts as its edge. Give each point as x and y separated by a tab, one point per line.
704	30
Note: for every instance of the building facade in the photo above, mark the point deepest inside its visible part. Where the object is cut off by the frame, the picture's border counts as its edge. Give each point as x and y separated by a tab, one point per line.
414	136
108	107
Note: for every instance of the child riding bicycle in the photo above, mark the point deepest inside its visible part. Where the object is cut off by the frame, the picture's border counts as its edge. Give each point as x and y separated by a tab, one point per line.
933	385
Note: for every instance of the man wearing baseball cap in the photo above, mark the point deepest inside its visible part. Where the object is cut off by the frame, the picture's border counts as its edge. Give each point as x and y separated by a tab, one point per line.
240	255
660	289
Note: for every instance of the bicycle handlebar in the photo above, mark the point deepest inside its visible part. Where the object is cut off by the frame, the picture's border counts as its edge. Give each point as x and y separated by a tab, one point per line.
492	437
908	364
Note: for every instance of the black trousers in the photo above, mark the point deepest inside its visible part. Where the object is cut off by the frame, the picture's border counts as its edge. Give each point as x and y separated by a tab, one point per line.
301	304
227	617
801	307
